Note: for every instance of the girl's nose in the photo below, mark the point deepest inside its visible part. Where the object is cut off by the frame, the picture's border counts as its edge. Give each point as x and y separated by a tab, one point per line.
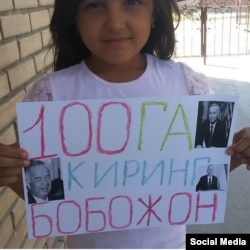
115	19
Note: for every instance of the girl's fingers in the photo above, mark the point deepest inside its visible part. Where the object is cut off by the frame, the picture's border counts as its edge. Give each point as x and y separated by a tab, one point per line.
6	162
9	172
239	147
6	181
243	154
13	151
11	156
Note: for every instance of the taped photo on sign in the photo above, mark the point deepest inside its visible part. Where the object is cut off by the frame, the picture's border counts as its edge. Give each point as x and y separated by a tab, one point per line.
213	124
43	181
212	177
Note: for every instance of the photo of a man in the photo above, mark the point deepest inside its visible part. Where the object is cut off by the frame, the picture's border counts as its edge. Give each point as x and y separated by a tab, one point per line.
40	186
208	181
213	124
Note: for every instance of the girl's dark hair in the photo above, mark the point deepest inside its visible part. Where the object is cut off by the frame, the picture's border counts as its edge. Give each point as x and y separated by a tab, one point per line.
70	50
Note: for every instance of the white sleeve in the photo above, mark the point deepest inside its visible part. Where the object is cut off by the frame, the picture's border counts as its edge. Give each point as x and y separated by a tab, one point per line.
197	83
40	91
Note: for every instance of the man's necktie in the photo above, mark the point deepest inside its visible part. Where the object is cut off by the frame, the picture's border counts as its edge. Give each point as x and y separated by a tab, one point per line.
211	135
209	181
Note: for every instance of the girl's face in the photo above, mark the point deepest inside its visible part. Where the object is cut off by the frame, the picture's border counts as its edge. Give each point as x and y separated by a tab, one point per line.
115	30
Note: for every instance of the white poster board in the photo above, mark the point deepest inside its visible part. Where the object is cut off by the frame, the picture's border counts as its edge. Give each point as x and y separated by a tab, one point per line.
124	163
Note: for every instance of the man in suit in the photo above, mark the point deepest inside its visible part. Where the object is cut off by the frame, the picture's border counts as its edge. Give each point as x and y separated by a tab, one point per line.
39	183
212	132
208	181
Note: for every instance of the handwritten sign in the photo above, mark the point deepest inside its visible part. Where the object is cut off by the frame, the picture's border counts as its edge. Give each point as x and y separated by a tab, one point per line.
124	163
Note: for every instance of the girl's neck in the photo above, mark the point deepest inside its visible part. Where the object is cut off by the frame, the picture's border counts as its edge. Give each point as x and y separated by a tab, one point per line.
118	73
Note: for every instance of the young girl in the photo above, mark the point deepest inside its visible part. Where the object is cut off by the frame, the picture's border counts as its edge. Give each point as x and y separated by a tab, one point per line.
115	49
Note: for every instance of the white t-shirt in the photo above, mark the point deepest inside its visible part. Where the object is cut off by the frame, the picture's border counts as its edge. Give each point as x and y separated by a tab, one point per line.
161	78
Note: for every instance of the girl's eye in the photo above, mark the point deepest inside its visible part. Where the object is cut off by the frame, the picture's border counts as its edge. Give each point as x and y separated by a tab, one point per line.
132	2
93	5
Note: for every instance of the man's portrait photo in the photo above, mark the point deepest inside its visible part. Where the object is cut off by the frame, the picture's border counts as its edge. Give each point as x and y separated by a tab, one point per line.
213	124
212	177
43	181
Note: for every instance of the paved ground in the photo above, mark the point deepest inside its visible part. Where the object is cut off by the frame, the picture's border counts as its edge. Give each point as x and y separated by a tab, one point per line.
230	75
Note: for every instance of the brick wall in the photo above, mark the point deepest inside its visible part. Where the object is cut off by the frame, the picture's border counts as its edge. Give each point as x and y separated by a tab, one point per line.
24	57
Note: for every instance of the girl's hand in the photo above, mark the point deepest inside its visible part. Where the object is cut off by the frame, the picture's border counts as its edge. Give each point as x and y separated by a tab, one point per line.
12	159
240	150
